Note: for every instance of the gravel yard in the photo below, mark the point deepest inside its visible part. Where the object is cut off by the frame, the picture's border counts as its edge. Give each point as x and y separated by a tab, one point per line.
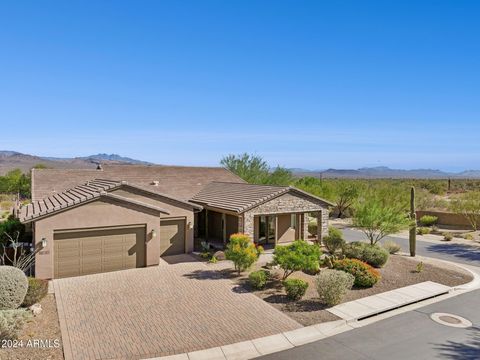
398	272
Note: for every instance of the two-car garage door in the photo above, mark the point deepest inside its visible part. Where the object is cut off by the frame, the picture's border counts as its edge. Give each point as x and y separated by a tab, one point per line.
98	250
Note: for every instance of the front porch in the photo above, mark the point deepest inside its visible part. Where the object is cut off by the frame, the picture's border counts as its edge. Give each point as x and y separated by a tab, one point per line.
270	215
215	227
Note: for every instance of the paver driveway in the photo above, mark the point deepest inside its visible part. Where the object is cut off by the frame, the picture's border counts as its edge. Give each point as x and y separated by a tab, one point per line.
156	311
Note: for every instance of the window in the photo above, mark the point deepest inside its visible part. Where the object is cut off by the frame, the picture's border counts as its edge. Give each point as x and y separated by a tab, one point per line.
293	221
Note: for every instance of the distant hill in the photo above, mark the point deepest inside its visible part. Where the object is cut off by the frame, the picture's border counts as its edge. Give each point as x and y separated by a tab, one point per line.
10	160
383	172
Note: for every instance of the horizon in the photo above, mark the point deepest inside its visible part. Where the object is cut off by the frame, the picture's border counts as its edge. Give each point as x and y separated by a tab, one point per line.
321	85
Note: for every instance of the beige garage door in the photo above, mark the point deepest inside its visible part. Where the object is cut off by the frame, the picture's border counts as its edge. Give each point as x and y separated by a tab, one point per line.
98	250
172	237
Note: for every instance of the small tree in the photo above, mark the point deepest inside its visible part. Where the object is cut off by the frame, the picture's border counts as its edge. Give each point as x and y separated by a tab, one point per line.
347	194
468	205
242	251
377	220
296	257
334	241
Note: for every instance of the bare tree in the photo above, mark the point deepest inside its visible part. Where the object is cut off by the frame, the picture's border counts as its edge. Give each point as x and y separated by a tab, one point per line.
22	257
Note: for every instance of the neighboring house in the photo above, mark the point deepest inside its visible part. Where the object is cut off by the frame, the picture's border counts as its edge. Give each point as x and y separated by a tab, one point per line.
126	216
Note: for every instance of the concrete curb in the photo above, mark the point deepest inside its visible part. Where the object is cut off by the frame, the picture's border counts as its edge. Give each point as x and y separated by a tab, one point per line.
275	343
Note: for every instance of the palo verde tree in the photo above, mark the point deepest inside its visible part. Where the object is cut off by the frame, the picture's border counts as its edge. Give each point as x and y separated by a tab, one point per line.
377	219
253	169
468	205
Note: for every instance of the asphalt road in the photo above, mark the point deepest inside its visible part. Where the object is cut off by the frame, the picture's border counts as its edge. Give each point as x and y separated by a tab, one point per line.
412	335
460	253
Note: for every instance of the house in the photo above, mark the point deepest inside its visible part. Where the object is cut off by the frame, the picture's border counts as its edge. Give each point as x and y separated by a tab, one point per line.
125	216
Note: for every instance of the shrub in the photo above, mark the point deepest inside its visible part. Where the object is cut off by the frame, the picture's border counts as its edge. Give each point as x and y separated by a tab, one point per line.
258	279
423	230
297	256
295	288
468	237
334	241
419	267
428	220
242	251
312	228
332	285
371	254
365	275
447	236
391	246
11	322
13	287
37	290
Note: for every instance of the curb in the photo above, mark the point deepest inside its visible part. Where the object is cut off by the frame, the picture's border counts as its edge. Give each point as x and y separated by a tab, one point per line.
275	343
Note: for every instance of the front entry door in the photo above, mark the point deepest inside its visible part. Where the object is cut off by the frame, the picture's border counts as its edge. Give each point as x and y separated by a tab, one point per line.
267	225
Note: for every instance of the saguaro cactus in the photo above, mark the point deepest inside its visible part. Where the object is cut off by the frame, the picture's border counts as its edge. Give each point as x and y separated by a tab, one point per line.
413	227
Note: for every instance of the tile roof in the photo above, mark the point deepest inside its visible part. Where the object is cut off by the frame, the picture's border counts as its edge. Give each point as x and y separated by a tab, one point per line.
181	182
240	197
77	195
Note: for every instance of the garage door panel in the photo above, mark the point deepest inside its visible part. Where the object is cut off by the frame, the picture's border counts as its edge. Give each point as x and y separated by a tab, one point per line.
95	251
172	237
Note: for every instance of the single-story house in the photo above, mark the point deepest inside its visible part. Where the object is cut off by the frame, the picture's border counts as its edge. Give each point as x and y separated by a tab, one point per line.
125	216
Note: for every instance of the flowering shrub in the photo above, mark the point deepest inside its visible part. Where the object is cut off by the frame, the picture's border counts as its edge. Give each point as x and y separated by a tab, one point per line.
242	251
364	274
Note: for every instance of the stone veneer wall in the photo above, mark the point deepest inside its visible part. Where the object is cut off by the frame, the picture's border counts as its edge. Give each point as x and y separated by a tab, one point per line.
287	203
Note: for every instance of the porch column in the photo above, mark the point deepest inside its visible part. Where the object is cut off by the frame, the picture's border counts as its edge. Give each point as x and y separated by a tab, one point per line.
319	227
304	233
276	229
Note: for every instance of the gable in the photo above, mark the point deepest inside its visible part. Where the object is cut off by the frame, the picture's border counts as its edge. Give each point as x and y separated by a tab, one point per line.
289	202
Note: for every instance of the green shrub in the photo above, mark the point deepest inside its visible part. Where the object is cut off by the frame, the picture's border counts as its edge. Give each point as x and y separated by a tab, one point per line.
364	274
392	247
258	279
447	236
371	254
332	285
297	256
13	287
428	220
242	251
312	228
423	230
37	290
11	322
295	288
419	267
468	236
334	241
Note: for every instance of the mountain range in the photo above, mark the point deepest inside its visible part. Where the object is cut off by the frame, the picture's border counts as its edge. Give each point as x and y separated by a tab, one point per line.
383	172
10	160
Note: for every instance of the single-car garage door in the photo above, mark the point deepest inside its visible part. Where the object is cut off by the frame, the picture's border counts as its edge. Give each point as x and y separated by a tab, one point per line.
98	250
172	237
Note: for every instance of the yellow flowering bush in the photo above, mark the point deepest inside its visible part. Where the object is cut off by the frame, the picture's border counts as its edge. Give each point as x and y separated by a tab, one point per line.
242	251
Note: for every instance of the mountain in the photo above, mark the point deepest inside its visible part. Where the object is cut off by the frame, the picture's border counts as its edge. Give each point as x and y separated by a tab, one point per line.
10	160
383	172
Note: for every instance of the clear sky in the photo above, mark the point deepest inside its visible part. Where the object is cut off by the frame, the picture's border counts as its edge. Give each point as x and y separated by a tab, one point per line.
313	84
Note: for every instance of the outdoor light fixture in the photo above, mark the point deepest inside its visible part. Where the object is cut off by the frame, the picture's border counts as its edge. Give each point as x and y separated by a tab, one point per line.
44	242
154	233
189	225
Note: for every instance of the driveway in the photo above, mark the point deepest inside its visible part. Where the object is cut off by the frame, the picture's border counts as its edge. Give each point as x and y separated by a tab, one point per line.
172	308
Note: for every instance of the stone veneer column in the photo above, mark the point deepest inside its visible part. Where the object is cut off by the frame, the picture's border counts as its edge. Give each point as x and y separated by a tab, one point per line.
305	226
248	225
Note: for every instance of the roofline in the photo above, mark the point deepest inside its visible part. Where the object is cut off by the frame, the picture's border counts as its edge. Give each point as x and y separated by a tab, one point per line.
280	193
89	200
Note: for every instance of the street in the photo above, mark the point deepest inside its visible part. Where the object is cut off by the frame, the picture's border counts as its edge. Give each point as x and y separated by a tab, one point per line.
411	335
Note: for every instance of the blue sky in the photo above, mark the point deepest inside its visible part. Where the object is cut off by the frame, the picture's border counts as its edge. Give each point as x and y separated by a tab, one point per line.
313	84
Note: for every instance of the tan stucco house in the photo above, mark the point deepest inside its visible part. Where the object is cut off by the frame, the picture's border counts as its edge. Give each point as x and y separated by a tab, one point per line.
125	216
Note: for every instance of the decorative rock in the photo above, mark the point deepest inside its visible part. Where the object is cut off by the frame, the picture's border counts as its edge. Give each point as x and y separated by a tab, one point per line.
220	255
36	309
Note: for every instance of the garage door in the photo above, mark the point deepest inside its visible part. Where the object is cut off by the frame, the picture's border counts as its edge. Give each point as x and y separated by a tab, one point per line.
98	250
172	237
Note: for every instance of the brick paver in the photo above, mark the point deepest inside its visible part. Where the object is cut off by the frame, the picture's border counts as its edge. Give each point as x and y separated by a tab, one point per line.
157	311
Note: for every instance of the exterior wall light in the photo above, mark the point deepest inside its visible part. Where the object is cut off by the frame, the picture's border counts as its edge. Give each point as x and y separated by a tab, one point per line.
154	233
44	242
189	225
